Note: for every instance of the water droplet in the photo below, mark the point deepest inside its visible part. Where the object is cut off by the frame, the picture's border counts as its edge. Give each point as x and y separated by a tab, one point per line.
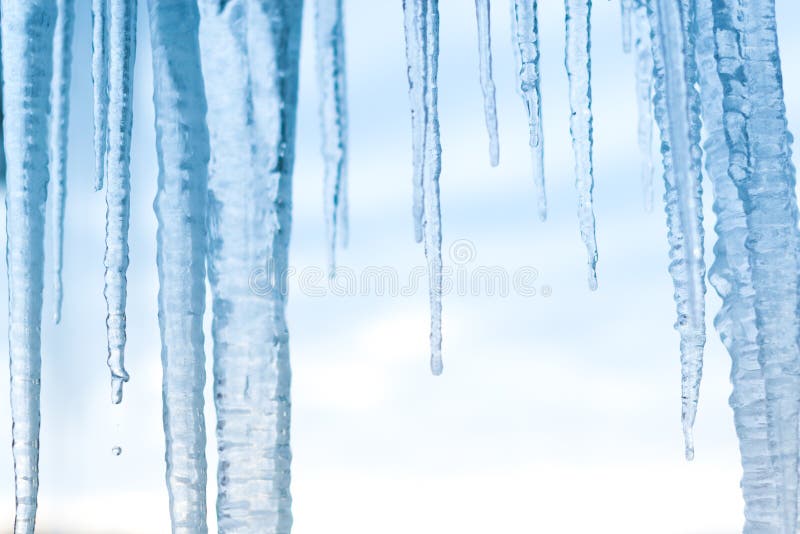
116	451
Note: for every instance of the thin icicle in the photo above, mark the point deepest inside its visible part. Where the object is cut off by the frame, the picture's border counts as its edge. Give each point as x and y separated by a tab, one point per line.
100	87
122	49
644	98
59	122
626	9
27	50
2	145
422	49
180	206
525	32
415	30
333	118
432	228
760	165
731	277
677	113
251	54
579	72
487	82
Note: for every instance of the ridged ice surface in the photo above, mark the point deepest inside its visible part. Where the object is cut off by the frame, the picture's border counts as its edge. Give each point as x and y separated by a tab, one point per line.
525	35
122	49
483	16
180	206
59	122
677	112
422	52
579	72
760	165
250	59
27	50
329	25
730	275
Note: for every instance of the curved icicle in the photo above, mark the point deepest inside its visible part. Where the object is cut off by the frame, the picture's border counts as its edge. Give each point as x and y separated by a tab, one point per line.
27	50
122	50
180	206
676	106
525	32
251	54
579	72
59	122
487	82
329	18
100	87
759	150
644	99
730	275
422	48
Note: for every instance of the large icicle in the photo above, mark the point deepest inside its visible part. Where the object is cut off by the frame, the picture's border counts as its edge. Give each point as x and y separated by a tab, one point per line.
422	47
760	164
27	50
250	57
180	205
525	32
731	277
579	72
644	98
677	113
122	49
333	117
487	82
59	122
100	87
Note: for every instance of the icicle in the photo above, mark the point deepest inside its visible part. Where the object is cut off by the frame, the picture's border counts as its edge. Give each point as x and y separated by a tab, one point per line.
414	22
100	87
760	165
180	206
626	8
59	121
644	93
432	228
525	32
676	106
422	50
731	276
333	116
27	49
250	56
487	83
122	49
579	72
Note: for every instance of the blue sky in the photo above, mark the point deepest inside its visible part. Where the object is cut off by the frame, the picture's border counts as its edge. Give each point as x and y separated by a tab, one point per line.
555	414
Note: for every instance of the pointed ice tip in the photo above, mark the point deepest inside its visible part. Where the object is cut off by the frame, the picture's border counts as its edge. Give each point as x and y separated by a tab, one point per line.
436	365
689	444
116	390
494	155
592	279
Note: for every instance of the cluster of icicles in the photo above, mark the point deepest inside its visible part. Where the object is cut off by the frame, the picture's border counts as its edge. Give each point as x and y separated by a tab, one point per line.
225	90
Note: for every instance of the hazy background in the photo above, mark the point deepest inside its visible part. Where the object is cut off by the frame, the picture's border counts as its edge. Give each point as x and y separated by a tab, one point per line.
555	414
